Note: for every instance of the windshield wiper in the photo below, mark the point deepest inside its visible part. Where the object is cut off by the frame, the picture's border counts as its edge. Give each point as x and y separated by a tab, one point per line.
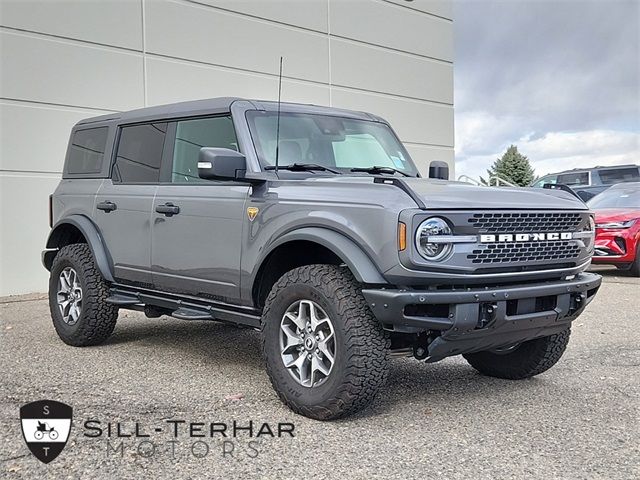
303	167
378	169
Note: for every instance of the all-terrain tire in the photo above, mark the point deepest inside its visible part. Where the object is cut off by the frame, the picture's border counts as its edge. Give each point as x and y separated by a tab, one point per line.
362	346
526	360
97	318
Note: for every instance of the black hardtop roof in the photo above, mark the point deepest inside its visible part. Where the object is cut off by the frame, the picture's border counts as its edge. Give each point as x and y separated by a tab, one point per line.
211	106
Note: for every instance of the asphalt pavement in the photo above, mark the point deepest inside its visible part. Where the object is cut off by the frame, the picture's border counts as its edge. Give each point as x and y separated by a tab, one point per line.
579	420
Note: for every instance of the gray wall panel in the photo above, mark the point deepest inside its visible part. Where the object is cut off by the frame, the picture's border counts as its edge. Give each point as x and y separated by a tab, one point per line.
388	25
313	16
423	155
442	8
213	36
380	70
19	126
23	231
58	71
110	23
173	81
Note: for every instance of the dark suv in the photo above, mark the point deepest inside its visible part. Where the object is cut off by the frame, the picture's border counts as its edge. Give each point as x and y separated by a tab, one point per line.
312	225
588	182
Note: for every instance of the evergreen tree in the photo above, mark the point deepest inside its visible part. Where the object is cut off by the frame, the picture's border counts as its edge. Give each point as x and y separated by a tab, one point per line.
512	167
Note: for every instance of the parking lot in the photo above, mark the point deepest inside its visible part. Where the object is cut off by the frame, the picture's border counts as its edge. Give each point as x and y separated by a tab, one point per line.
443	420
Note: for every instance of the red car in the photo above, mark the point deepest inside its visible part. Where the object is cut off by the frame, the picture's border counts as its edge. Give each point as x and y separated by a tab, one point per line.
617	212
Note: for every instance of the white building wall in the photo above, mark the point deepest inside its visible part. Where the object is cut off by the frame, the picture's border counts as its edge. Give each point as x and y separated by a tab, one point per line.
64	60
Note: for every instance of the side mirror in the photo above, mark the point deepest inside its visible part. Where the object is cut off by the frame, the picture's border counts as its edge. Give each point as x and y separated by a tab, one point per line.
439	169
221	164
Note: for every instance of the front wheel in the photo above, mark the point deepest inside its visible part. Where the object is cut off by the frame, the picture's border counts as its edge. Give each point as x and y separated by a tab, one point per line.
523	360
326	354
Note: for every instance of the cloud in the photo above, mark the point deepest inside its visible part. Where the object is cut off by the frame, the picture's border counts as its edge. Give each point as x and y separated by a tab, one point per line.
559	79
557	151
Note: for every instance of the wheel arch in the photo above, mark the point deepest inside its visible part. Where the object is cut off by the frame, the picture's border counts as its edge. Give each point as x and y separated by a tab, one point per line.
78	229
307	246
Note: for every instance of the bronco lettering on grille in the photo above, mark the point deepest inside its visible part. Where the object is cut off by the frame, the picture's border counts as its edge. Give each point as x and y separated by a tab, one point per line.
525	237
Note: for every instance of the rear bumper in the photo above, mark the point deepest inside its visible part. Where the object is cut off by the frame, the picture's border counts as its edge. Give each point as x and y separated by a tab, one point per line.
476	319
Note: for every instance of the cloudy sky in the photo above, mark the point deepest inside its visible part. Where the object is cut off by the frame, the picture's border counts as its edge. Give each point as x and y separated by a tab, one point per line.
559	79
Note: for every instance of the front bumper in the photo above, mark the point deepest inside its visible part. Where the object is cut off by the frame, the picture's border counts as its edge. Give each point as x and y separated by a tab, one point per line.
476	319
615	247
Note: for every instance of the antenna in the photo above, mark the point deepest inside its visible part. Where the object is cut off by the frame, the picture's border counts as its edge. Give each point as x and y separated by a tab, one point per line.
278	120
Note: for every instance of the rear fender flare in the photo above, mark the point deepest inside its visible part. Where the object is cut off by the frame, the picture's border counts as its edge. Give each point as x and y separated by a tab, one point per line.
94	240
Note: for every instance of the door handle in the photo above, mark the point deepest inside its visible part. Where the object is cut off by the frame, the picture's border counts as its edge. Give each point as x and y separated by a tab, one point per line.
168	209
106	206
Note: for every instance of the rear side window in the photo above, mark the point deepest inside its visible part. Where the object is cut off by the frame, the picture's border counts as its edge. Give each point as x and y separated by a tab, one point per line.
551	179
139	153
619	175
86	153
191	136
578	178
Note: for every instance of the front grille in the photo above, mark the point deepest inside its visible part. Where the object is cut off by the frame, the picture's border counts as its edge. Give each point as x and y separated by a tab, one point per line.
526	222
524	252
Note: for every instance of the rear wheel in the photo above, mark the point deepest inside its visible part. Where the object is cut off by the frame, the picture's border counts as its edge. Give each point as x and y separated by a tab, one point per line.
326	354
77	298
523	360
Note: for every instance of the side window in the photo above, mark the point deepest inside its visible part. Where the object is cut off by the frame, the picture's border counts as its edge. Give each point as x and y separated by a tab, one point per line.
86	153
545	180
618	175
572	179
191	136
140	153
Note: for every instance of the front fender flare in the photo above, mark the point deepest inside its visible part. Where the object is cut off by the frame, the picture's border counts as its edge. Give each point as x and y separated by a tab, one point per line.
94	240
363	269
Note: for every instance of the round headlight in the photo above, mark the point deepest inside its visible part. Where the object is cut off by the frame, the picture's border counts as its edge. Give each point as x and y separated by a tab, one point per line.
429	247
591	228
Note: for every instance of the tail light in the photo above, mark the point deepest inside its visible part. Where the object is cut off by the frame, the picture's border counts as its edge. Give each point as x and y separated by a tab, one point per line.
50	211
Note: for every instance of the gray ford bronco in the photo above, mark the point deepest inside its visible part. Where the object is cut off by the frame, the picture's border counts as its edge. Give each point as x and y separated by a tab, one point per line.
312	225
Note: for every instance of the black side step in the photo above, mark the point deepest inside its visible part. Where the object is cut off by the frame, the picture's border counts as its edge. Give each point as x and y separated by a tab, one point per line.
191	314
122	300
184	307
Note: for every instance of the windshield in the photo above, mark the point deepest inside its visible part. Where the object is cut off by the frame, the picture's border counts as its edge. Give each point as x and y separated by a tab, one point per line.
333	142
627	197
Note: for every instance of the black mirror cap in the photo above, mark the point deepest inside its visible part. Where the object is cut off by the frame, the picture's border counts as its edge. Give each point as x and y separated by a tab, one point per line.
438	169
221	164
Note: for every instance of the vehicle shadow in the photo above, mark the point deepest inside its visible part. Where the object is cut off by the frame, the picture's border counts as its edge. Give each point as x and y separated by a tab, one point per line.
218	345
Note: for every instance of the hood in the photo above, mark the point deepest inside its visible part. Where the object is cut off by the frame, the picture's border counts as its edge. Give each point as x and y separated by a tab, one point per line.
606	215
443	194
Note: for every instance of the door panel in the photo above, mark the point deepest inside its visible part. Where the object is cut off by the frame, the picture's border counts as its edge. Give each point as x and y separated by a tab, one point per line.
126	230
123	207
197	251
